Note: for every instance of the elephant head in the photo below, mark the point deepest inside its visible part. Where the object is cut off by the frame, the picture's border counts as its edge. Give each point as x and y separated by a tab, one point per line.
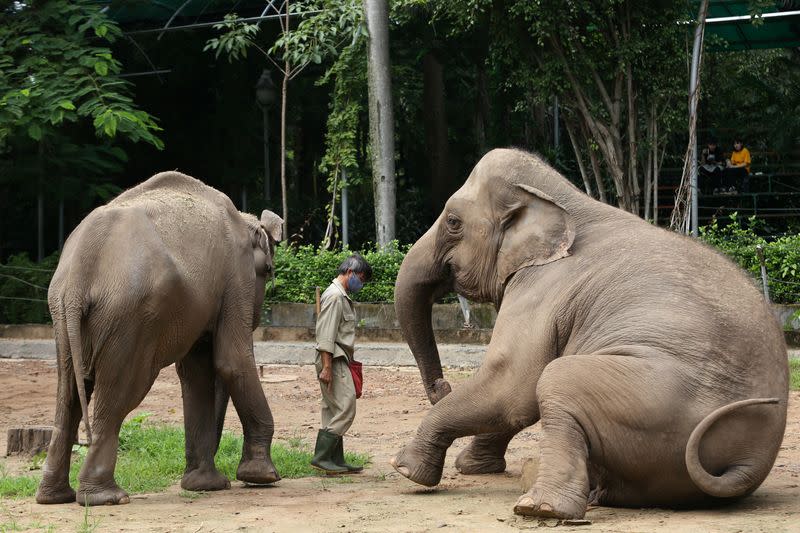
264	233
499	222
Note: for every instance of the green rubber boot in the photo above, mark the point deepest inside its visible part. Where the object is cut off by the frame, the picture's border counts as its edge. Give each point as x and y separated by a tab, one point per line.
324	451
338	458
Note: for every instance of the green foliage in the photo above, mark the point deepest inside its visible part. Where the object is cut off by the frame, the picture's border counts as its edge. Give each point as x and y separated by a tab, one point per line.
781	256
151	458
23	289
299	270
55	68
794	374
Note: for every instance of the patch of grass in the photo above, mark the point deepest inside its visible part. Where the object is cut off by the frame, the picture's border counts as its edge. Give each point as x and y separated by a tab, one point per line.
151	458
11	486
794	374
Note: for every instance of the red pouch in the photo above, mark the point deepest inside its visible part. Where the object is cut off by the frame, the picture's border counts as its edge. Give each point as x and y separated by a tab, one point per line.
358	376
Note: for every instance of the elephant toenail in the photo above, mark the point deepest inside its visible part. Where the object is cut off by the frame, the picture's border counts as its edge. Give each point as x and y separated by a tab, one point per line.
546	507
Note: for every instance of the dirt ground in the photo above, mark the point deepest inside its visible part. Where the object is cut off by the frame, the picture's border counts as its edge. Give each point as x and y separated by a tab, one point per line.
377	500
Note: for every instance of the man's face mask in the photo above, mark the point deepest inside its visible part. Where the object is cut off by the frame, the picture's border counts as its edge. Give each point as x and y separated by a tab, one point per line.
354	283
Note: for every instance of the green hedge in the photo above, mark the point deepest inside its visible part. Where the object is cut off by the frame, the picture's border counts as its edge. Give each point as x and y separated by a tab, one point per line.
299	270
781	256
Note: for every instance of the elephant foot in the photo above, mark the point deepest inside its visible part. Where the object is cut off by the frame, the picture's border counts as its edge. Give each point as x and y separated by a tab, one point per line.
546	504
105	496
257	472
471	461
51	495
419	467
204	478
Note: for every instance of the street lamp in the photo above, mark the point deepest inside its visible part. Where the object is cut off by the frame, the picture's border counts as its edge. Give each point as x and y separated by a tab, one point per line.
266	96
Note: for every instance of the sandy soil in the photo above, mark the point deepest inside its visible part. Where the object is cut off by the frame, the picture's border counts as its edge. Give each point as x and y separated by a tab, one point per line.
378	500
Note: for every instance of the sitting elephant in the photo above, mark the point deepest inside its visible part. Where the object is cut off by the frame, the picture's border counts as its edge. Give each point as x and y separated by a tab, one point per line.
167	272
655	366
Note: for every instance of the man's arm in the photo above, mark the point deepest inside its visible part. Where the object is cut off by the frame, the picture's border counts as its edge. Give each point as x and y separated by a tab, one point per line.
327	329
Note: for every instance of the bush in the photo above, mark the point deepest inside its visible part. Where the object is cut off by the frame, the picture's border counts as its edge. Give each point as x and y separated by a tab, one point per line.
781	256
299	270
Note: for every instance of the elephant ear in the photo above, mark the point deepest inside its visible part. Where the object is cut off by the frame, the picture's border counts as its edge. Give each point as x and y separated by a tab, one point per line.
537	231
272	224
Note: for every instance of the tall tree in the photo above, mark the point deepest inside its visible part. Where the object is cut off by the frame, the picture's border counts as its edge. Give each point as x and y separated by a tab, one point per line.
381	119
315	38
55	69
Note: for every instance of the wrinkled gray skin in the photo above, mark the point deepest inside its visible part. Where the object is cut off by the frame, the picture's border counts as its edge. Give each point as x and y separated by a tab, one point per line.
657	370
168	272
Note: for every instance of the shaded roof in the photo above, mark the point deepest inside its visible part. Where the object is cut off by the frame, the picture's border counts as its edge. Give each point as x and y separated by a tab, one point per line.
730	27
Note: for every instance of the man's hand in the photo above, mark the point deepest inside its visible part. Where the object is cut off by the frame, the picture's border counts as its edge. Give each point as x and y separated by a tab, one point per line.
326	375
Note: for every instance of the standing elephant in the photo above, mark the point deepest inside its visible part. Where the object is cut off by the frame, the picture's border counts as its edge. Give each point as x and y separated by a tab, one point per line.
167	272
655	366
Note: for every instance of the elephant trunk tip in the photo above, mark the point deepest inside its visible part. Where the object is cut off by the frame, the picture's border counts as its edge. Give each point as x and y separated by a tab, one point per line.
439	390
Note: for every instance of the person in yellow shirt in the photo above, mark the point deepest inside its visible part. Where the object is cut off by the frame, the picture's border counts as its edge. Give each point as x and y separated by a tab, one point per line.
737	171
740	156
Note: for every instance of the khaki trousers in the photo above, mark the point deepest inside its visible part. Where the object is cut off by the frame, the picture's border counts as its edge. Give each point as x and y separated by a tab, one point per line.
338	404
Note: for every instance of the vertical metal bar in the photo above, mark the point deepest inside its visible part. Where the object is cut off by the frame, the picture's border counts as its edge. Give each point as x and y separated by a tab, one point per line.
764	282
694	80
267	188
61	222
345	217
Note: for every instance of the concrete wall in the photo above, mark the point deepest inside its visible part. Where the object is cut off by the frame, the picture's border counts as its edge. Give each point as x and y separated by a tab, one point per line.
378	323
380	316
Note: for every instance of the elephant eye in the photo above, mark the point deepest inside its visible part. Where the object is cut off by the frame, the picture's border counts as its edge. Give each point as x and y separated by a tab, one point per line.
453	222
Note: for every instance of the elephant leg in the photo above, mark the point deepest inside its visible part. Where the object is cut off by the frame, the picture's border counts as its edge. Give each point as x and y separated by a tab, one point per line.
623	409
234	363
196	372
118	390
485	454
474	408
55	487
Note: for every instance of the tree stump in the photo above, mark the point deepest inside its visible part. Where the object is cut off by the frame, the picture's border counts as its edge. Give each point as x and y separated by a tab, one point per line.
29	440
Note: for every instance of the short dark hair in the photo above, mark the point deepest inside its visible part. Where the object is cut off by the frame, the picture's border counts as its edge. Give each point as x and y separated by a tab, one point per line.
356	263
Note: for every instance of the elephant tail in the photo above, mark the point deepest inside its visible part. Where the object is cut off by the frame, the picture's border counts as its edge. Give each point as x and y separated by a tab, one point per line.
737	480
72	318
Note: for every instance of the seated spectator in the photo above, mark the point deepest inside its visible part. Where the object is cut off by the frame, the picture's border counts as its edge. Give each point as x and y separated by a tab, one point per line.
737	171
712	163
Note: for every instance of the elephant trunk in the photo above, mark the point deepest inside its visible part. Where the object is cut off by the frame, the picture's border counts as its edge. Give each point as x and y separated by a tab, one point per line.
737	480
421	280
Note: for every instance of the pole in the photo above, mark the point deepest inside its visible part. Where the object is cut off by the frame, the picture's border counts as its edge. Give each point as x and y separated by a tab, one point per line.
556	130
345	217
694	82
267	188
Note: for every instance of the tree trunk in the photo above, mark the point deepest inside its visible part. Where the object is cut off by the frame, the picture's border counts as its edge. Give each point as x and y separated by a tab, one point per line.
481	108
28	440
381	119
285	205
578	157
436	129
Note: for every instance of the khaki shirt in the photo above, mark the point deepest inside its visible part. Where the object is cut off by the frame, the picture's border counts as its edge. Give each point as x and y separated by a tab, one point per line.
336	323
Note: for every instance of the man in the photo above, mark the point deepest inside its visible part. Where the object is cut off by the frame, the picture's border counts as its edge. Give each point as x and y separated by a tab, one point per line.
336	332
